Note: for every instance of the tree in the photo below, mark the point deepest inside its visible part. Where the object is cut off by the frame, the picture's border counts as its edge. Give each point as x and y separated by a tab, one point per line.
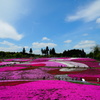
64	53
90	55
50	52
24	51
74	53
43	51
47	50
18	55
96	51
53	51
2	54
30	51
83	54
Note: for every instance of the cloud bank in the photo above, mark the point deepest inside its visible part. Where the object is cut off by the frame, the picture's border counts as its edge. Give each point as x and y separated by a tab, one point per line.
8	46
45	38
85	44
68	41
11	10
8	31
88	13
41	45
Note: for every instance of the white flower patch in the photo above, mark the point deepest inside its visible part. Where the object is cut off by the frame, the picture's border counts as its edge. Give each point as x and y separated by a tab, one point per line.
73	64
71	69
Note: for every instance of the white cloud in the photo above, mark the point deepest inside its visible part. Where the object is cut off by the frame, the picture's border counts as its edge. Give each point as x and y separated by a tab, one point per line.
37	51
26	47
98	20
41	45
68	41
11	10
7	43
85	44
45	38
88	13
8	31
8	46
86	34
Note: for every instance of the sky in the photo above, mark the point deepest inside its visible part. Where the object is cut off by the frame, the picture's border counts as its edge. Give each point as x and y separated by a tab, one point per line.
62	24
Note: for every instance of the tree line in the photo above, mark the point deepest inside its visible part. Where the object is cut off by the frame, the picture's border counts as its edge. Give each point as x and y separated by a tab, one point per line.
51	52
66	53
95	52
48	51
22	54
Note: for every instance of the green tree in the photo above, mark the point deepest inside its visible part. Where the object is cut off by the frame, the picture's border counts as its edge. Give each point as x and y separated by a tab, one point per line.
24	51
53	51
30	51
43	51
64	53
18	55
47	50
96	51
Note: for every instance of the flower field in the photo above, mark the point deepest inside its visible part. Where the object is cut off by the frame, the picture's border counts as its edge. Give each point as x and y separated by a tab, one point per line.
34	79
49	90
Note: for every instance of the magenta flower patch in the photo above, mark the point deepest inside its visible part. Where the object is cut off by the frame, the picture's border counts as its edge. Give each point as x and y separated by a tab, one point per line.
50	90
10	68
36	80
88	75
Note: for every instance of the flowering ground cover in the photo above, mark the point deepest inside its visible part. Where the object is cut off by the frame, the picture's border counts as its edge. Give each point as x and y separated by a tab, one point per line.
82	59
57	71
88	75
54	64
5	63
9	68
41	59
47	63
88	61
72	69
29	68
68	62
73	64
47	68
18	59
24	81
95	82
32	74
50	90
92	64
30	64
12	83
8	60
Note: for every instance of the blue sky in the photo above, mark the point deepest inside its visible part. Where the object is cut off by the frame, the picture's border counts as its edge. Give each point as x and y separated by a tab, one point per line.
62	24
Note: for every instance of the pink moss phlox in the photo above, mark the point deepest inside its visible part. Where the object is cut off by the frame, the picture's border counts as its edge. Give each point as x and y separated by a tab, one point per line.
41	59
54	64
31	64
5	63
47	69
9	68
26	74
18	59
89	74
83	59
88	61
50	90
